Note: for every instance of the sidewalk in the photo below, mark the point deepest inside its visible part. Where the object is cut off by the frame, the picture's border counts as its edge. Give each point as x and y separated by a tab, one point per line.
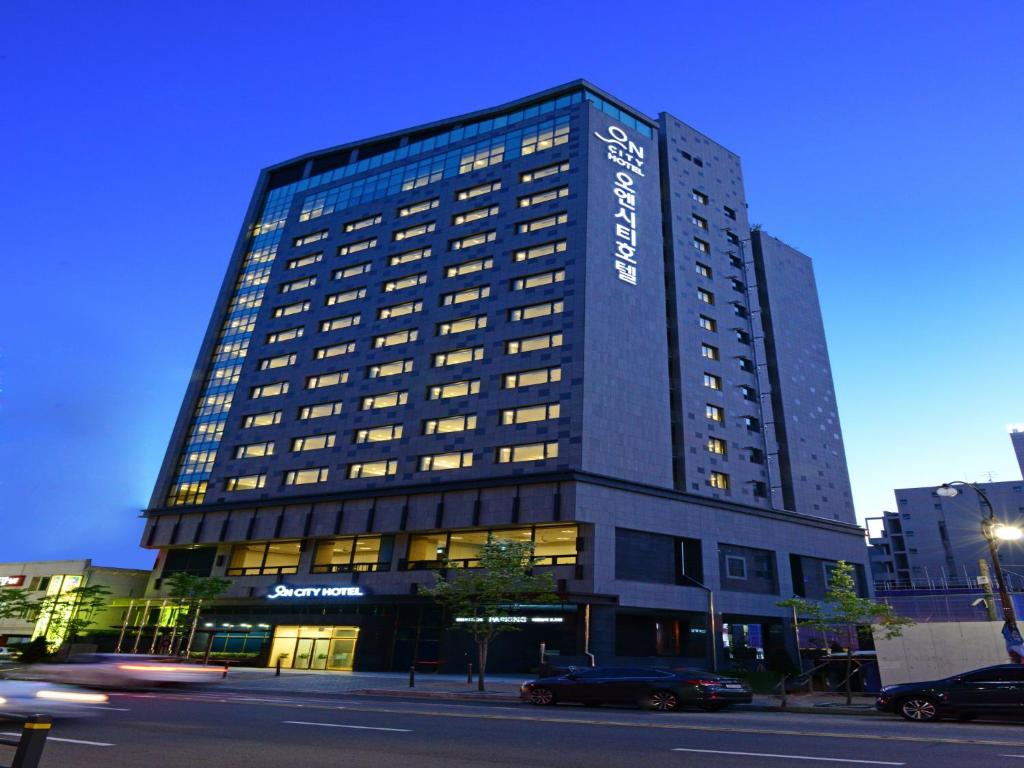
503	688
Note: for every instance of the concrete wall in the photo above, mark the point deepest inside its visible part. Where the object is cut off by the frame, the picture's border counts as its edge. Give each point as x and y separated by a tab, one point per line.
935	650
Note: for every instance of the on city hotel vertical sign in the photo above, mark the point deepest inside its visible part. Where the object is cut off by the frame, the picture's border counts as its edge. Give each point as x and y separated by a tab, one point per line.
623	152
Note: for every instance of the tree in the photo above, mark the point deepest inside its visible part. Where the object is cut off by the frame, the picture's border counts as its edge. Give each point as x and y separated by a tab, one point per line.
843	610
14	604
68	614
192	591
478	599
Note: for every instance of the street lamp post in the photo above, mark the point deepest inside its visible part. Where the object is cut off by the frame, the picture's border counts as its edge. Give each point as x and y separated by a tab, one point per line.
994	532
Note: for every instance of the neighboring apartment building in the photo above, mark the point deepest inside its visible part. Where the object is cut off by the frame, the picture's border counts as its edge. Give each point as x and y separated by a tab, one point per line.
932	540
541	321
47	578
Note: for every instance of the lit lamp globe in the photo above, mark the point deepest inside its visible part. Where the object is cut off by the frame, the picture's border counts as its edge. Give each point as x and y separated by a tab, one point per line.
1007	532
946	491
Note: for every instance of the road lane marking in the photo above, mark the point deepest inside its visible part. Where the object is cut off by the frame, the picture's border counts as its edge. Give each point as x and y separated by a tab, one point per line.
70	741
355	706
112	709
355	727
788	757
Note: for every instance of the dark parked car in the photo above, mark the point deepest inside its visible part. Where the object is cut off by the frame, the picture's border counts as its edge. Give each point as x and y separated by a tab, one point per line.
990	691
646	687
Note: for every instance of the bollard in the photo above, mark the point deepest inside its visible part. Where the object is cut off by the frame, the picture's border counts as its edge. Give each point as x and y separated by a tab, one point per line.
222	677
412	676
277	673
469	673
33	738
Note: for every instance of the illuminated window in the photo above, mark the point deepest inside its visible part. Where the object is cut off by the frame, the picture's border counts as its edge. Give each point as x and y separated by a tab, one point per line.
530	413
538	280
471	241
701	246
479	189
326	380
537	251
407	281
345	296
361	245
372	469
383	400
245	482
545	139
291	309
269	390
482	158
699	221
352	554
536	310
462	325
286	335
699	196
280	361
399	310
334	350
475	215
703	270
267	419
337	323
716	445
395	338
441	461
543	173
409	256
320	411
259	558
531	343
420	207
718	480
714	413
708	323
468	267
709	352
466	294
528	452
543	197
454	389
707	297
312	443
369	221
542	223
712	382
312	237
532	378
353	271
461	423
414	231
458	356
296	285
306	476
254	450
304	261
394	368
379	434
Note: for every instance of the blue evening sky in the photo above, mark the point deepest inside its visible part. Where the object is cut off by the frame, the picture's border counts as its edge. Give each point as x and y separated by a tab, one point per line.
881	138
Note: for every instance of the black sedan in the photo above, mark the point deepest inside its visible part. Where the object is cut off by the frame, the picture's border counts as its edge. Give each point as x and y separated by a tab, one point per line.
995	690
659	689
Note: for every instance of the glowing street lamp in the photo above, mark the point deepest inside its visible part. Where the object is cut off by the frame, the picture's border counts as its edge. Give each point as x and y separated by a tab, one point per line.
994	531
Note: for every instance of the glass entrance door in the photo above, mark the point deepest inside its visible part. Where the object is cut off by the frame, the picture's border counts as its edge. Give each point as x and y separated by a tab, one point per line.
310	647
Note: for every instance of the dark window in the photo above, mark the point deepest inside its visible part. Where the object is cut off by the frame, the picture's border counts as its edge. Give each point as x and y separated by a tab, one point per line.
197	561
746	569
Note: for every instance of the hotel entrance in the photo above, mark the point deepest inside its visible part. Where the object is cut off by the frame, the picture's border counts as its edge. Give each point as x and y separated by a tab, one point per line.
327	648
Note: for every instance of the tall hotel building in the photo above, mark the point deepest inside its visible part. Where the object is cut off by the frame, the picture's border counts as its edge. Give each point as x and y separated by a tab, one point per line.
547	321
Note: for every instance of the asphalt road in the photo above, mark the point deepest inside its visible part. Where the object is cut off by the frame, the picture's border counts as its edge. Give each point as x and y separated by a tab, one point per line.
250	731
